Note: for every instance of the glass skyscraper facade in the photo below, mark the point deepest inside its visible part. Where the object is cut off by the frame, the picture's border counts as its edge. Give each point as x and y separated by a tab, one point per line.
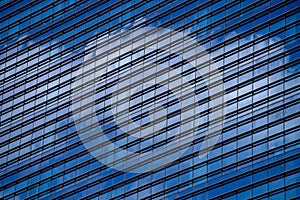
250	48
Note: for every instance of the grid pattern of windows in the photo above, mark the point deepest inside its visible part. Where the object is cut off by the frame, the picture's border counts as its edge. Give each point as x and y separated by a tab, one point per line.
254	44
